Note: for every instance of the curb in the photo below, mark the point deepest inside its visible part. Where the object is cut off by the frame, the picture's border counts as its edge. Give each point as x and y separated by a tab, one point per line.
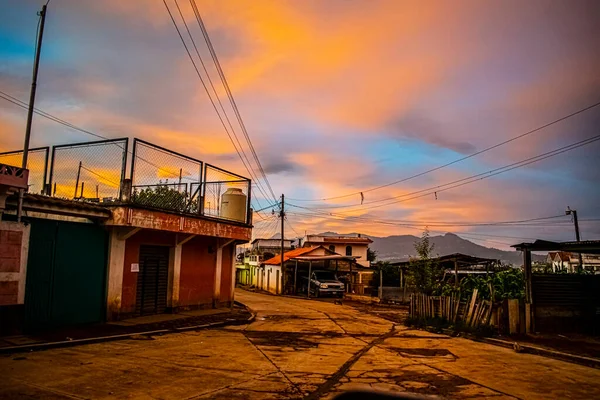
102	339
558	355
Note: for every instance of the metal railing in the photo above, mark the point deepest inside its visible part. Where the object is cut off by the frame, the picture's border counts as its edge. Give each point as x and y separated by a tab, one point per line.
219	182
159	178
37	164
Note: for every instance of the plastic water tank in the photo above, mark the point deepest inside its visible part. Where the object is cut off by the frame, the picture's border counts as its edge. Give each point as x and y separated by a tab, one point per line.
233	205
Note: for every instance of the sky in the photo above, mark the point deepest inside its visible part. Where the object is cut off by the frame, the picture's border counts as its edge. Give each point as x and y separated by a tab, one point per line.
338	97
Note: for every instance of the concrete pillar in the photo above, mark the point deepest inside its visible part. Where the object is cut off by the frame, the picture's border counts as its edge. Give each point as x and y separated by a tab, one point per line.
176	280
217	285
221	244
116	261
232	274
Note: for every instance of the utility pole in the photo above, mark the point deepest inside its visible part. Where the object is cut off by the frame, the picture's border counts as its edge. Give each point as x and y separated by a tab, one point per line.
77	180
577	237
282	215
36	64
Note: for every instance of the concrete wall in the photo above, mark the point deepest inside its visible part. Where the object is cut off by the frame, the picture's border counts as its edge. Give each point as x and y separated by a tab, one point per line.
132	255
201	270
357	250
14	247
270	284
197	275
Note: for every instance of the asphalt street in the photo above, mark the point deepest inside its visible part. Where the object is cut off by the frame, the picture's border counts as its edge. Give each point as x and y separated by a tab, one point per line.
294	349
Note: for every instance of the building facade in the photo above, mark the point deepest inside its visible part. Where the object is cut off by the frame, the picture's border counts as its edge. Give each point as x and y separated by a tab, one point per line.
347	245
569	262
80	257
250	260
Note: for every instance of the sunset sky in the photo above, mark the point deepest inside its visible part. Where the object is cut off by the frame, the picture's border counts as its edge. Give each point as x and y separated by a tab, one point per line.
339	97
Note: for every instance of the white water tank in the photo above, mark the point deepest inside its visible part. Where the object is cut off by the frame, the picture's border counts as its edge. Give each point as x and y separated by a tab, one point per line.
233	205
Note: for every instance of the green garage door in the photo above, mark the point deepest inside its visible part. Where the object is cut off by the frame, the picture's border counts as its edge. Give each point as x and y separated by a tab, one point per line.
66	274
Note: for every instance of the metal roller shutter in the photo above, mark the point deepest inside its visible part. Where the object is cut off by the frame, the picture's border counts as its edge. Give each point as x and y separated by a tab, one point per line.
153	280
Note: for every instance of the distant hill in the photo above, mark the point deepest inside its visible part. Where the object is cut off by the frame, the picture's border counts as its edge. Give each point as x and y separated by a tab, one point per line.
401	247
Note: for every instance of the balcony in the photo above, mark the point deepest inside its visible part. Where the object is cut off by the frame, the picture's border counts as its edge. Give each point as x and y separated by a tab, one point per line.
144	176
13	177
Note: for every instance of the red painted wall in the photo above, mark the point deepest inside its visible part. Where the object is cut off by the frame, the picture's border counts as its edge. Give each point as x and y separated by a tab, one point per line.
197	275
226	274
132	255
10	261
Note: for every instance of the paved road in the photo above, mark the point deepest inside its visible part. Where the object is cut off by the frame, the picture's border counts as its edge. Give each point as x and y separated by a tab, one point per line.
295	349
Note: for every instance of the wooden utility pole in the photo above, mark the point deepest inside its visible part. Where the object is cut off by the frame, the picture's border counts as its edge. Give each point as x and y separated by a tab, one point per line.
36	65
577	237
77	180
282	215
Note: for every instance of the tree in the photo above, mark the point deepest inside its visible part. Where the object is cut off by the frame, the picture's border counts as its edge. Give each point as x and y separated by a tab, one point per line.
391	274
371	255
424	272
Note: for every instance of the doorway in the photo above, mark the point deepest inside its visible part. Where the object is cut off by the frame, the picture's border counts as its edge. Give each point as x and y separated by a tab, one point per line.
153	279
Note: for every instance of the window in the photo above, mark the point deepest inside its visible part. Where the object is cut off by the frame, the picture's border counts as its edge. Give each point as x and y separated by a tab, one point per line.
348	250
332	248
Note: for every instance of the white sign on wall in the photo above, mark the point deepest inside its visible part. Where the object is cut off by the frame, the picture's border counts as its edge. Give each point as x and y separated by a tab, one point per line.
135	267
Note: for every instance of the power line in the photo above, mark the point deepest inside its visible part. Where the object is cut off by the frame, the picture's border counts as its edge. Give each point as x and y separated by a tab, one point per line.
290	225
436	223
422	227
470	236
63	122
460	159
474	178
212	86
100	176
358	219
229	93
51	117
248	168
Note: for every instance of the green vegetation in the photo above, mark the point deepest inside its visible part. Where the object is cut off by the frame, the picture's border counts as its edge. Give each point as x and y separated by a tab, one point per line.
424	273
165	196
504	284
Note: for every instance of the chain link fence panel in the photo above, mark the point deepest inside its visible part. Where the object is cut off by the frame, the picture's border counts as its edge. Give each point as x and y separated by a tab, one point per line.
91	171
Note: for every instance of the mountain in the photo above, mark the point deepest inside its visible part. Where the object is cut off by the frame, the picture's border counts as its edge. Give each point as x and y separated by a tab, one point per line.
401	247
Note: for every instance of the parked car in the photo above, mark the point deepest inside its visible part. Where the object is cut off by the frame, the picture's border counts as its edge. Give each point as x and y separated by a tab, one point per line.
325	283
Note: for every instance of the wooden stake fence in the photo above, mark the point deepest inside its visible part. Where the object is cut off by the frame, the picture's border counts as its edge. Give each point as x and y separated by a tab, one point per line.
472	313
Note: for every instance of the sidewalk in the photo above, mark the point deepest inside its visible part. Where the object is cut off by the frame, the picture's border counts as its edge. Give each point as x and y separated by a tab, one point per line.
151	324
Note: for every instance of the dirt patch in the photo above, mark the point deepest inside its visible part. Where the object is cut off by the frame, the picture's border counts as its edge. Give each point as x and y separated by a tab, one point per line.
580	345
438	383
423	352
393	313
296	340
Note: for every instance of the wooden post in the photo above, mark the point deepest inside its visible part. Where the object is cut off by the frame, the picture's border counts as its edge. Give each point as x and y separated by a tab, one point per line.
455	273
380	284
471	307
77	180
309	275
528	290
513	316
296	278
527	271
